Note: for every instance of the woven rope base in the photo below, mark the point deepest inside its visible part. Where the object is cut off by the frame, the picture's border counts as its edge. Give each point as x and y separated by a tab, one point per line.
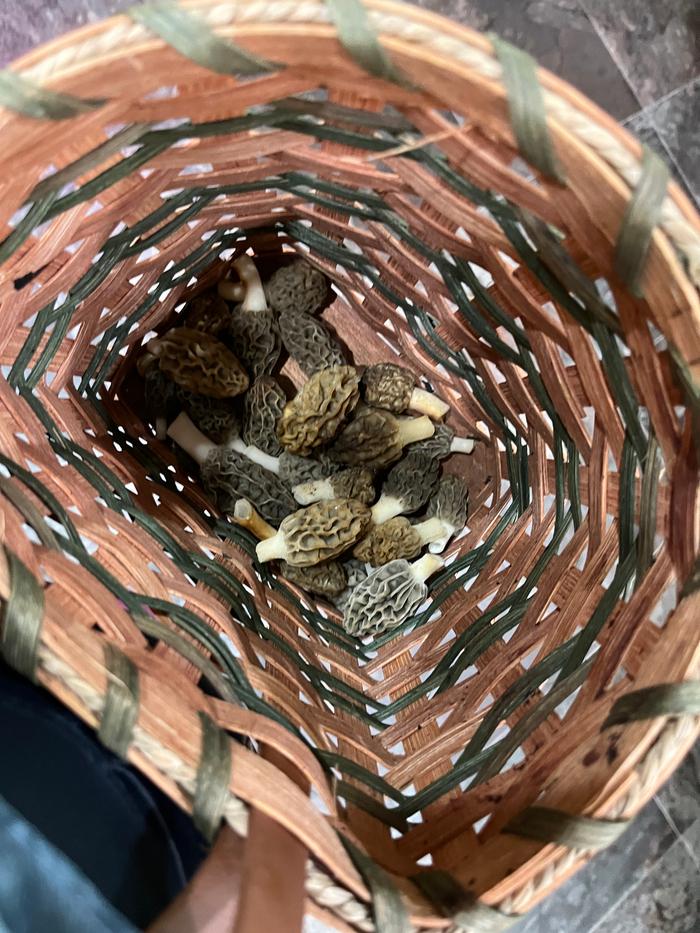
454	747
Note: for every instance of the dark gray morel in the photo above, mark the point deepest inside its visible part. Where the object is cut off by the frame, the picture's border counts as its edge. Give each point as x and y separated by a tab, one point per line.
407	487
450	504
356	571
160	399
295	470
318	533
207	312
376	438
443	443
396	539
228	475
264	405
322	405
353	483
252	331
199	362
387	385
309	342
389	596
297	287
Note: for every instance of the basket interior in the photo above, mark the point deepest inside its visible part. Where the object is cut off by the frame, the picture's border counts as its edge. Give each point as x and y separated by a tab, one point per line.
452	257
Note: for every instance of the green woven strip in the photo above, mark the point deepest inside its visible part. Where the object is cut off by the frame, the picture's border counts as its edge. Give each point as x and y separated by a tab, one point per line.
213	777
24	613
564	829
390	914
647	510
460	906
30	512
121	707
662	700
358	38
526	104
641	216
191	37
26	98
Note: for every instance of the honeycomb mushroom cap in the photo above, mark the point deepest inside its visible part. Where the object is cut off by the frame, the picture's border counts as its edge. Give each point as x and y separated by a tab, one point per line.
315	415
254	338
227	476
159	395
297	287
388	386
295	469
356	571
264	405
215	417
207	312
412	480
450	503
327	579
437	446
371	438
309	342
392	540
200	362
354	483
323	530
385	599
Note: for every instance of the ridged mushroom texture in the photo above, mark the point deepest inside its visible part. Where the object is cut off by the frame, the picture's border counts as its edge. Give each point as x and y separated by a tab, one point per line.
252	332
387	385
322	405
298	286
199	362
353	483
377	438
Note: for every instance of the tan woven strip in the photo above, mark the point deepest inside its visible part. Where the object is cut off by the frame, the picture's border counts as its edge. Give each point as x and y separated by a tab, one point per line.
526	104
641	217
24	613
565	829
662	700
121	707
213	777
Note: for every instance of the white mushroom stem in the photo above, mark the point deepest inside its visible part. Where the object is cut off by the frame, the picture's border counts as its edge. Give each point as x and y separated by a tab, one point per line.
425	567
231	291
247	517
438	545
387	507
415	429
428	404
313	491
254	299
432	529
462	445
187	435
161	427
274	548
255	454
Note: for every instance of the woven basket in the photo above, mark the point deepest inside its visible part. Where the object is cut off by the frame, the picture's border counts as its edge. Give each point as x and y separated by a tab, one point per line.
493	229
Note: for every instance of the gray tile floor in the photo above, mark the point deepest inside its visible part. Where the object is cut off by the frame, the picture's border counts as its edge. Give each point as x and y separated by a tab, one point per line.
640	60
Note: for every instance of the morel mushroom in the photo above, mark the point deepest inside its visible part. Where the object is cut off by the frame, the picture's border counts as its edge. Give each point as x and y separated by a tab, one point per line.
397	538
295	470
297	287
228	476
199	362
315	415
387	385
355	571
407	487
326	579
264	405
353	483
309	342
230	291
376	438
207	312
316	534
443	443
252	331
389	596
450	504
160	399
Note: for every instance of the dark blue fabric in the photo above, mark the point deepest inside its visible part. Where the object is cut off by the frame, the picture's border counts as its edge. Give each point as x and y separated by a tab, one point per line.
136	846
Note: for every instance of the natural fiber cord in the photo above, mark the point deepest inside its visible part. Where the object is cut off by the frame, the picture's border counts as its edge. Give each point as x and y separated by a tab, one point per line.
460	906
565	829
121	707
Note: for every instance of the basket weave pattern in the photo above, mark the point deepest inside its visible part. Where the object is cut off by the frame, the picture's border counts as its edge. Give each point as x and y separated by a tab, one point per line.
431	744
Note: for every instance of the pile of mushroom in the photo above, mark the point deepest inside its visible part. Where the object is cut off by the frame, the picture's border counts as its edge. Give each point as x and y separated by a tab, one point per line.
342	483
